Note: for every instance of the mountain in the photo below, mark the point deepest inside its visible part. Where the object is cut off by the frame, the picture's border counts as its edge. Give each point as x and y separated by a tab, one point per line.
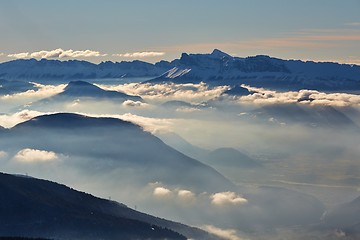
237	90
174	140
219	68
216	68
313	116
344	218
230	157
73	69
120	145
80	89
38	208
10	87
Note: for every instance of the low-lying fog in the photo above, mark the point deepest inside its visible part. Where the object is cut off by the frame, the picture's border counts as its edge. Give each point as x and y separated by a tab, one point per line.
305	141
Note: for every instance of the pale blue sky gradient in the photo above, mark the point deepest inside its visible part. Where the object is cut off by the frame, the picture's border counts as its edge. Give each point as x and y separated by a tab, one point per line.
327	30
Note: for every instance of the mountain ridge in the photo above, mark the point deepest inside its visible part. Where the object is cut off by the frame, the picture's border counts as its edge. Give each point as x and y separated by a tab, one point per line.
62	212
216	68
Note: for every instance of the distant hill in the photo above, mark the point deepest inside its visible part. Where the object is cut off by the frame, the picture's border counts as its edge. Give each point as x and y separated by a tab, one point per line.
120	145
345	218
81	89
230	157
309	115
38	208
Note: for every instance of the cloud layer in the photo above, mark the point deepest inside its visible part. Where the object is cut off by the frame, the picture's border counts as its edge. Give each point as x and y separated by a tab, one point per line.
140	54
312	97
58	53
164	92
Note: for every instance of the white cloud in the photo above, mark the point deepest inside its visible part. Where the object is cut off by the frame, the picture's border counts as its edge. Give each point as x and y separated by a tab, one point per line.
162	192
139	54
19	55
3	154
186	195
58	53
196	93
226	198
226	234
312	97
29	155
131	103
10	120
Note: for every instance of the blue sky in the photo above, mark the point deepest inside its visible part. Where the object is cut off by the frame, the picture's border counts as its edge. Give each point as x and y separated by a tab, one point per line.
321	30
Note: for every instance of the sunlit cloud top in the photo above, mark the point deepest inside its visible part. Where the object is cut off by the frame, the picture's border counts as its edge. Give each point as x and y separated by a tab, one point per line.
58	53
140	54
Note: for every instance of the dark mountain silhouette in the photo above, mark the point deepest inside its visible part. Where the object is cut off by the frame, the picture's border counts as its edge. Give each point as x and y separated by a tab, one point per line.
38	208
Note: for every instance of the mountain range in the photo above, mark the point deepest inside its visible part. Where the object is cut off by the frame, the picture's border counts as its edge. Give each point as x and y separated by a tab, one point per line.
216	68
107	144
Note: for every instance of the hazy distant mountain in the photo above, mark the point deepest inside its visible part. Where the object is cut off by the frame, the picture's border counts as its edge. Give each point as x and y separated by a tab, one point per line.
82	89
74	69
344	218
174	140
37	208
217	68
10	87
121	145
238	91
230	157
313	116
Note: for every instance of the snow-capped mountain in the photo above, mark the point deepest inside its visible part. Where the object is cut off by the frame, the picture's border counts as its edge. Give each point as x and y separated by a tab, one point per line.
216	68
74	69
219	68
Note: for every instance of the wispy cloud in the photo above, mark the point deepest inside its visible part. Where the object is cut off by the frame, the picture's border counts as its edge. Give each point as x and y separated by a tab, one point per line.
3	154
58	53
226	234
353	24
139	54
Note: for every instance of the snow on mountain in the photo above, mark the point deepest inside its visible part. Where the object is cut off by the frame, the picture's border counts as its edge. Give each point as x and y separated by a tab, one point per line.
74	69
219	68
216	68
